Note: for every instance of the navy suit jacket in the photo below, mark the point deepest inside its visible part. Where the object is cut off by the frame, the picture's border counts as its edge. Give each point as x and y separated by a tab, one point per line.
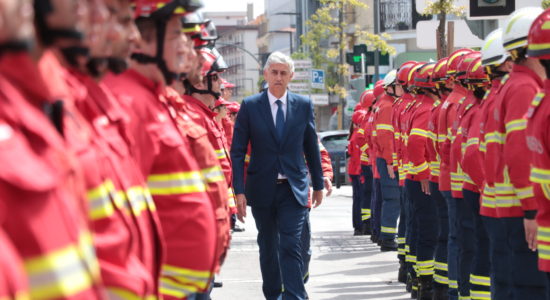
299	144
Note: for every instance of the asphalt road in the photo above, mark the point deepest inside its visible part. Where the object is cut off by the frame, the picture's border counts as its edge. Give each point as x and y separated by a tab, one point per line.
343	267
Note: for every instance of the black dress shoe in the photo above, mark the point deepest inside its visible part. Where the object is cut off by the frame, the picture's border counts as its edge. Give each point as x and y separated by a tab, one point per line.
402	273
217	284
357	232
237	228
374	239
388	245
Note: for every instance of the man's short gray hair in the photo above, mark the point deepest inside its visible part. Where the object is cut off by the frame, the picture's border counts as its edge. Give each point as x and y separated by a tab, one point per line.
279	58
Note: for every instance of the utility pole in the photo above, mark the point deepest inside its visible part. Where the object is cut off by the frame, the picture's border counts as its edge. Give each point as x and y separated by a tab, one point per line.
342	61
376	31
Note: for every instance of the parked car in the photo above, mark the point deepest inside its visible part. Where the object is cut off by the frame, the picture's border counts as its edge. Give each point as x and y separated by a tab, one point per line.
336	143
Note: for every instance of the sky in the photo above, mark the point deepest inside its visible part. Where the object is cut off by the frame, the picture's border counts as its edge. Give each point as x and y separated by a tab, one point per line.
232	5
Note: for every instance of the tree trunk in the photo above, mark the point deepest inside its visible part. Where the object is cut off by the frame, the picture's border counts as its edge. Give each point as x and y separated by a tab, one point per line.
441	41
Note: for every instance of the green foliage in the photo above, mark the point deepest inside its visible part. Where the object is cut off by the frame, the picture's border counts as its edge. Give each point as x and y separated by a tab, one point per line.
323	25
546	4
443	6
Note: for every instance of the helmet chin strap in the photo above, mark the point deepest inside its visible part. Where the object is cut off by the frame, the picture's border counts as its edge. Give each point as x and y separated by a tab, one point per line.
16	46
192	89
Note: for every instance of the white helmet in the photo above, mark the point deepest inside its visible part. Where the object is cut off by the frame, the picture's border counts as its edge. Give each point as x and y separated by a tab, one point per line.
390	78
517	27
493	53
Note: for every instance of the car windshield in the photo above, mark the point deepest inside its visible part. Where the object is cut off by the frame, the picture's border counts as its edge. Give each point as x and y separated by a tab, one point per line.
336	142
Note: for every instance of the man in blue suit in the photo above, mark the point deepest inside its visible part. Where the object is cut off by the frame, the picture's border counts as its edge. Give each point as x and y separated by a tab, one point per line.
280	127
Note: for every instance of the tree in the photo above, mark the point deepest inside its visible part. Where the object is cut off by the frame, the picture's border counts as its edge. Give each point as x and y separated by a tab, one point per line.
324	27
442	8
546	4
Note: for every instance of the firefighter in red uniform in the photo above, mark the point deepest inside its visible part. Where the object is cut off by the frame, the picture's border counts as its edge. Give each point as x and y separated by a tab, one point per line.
164	151
44	196
122	214
366	100
441	281
417	182
398	107
387	168
497	63
447	116
537	136
354	169
473	231
515	203
376	202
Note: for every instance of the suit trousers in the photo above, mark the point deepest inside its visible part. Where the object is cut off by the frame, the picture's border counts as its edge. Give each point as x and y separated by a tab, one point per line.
425	219
390	201
441	268
306	246
452	246
280	228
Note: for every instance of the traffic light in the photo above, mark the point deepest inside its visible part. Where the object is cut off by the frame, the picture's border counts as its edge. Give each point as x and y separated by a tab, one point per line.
354	58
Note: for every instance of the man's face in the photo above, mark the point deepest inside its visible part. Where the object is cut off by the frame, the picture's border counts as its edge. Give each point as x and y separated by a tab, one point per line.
227	93
194	75
123	35
16	20
278	76
216	83
175	45
101	21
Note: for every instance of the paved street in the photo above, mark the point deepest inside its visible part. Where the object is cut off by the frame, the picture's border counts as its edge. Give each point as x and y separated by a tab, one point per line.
343	266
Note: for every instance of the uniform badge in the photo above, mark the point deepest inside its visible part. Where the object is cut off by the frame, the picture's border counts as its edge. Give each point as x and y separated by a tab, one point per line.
496	114
534	144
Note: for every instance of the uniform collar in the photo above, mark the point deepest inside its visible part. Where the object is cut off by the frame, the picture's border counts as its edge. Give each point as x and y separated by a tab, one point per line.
523	69
199	104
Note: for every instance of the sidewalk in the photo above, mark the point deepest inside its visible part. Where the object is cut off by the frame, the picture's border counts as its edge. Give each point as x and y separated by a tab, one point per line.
342	267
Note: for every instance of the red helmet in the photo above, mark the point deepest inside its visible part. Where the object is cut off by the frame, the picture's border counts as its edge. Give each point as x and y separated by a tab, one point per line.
454	60
233	107
412	70
440	71
358	116
366	99
465	62
213	62
403	72
378	90
476	74
226	84
221	101
165	8
423	76
538	40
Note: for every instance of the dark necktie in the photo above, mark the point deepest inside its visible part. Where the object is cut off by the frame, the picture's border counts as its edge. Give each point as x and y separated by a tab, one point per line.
280	119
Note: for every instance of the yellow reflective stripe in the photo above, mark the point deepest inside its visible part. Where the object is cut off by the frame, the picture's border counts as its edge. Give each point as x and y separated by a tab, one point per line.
467	179
495	137
516	125
140	200
480	295
185	278
472	142
64	272
247	158
374	133
176	183
420	132
453	284
213	174
174	289
544	251
540	175
524	193
414	170
220	153
543	234
365	147
99	201
361	131
441	279
483	147
432	136
396	135
480	280
116	293
384	127
488	198
388	229
231	198
441	138
401	240
505	195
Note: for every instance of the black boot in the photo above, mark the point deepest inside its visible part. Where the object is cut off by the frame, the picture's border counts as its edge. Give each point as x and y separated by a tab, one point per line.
402	273
414	287
374	238
425	287
441	292
365	228
357	231
408	284
388	245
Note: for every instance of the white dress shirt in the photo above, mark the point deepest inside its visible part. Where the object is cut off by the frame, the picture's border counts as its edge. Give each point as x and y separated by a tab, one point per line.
274	107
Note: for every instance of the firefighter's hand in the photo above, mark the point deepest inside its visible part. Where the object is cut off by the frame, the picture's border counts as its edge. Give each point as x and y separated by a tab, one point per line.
317	198
391	171
328	186
241	207
530	233
425	184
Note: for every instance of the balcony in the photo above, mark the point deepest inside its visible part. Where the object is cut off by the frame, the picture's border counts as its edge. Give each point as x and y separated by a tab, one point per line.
399	15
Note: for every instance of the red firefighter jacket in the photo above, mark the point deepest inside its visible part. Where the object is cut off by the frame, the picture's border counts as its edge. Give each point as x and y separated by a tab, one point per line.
13	283
41	187
354	151
506	125
176	183
364	134
228	127
538	142
435	160
204	117
406	123
488	205
470	160
384	138
190	120
401	148
418	138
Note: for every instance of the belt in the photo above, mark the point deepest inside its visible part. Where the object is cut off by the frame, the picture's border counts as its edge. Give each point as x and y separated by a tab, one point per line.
281	181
